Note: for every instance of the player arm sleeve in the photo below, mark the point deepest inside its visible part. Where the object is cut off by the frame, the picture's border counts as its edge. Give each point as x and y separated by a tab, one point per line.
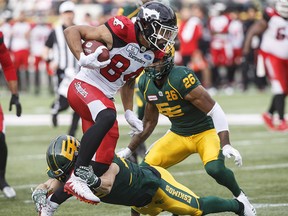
219	118
6	62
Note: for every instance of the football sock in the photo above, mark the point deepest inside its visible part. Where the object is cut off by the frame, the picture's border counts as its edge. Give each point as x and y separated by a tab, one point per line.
212	204
92	138
3	160
99	168
223	176
272	107
60	196
280	105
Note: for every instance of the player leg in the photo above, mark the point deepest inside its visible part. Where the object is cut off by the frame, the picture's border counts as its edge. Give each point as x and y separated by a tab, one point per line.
208	145
8	191
93	106
168	150
278	72
178	199
74	124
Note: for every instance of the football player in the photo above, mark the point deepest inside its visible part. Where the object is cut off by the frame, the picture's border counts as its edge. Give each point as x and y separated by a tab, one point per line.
199	124
273	54
150	190
11	78
132	46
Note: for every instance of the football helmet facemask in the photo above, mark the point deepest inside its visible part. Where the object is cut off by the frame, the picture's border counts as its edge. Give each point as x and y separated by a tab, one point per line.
158	25
157	70
61	156
281	7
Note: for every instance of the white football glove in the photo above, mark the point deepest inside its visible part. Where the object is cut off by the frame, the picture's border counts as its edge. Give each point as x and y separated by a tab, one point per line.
39	198
228	151
91	61
124	153
135	123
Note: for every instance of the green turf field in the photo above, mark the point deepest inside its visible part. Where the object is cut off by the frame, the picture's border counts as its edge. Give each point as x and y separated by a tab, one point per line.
263	175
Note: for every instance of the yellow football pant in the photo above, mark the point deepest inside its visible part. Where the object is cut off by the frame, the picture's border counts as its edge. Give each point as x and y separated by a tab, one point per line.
173	197
172	148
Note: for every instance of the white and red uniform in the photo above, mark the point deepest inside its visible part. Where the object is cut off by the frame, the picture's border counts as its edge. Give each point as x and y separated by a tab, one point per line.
9	72
274	51
20	44
190	32
38	37
221	48
93	90
236	36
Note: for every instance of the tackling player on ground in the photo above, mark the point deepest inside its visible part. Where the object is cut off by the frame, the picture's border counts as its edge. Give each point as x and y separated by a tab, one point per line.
150	190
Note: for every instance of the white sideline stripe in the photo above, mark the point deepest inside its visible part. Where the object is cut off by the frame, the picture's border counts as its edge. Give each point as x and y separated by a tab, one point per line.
65	119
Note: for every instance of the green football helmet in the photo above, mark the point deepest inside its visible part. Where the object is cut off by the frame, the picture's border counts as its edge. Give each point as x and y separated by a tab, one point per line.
61	156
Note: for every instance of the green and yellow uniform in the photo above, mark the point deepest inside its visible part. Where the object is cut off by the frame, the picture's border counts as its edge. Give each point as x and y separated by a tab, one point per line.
192	131
150	190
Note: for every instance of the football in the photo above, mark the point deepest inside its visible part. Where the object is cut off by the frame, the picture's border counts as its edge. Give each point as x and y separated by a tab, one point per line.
90	47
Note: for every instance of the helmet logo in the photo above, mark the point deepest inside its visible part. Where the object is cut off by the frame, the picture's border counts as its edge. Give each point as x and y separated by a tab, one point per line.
149	14
117	22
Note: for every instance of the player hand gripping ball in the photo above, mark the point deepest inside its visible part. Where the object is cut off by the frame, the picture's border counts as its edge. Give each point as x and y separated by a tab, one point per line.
95	55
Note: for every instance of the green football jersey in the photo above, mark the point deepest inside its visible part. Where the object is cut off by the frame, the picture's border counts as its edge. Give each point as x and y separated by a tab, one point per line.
186	119
134	185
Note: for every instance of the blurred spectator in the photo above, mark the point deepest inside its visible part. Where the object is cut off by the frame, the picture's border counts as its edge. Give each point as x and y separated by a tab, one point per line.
6	27
190	35
38	37
64	64
236	36
250	59
88	20
20	49
274	54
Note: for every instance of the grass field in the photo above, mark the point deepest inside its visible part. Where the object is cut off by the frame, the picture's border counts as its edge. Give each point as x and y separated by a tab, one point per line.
263	175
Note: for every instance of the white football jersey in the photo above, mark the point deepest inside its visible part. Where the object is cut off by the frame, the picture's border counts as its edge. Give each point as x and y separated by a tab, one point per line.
128	59
275	37
20	33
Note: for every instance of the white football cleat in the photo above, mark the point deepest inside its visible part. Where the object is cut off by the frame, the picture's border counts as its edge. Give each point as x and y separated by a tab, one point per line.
78	187
49	208
249	209
9	192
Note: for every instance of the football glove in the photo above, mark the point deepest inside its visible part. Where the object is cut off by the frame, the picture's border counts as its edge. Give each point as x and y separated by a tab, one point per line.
91	61
124	153
228	151
87	174
39	198
135	123
15	101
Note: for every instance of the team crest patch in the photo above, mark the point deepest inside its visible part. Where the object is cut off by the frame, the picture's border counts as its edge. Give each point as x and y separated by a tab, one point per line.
117	22
152	97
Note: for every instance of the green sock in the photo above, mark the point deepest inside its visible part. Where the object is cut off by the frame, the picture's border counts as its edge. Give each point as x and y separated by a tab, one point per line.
212	204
